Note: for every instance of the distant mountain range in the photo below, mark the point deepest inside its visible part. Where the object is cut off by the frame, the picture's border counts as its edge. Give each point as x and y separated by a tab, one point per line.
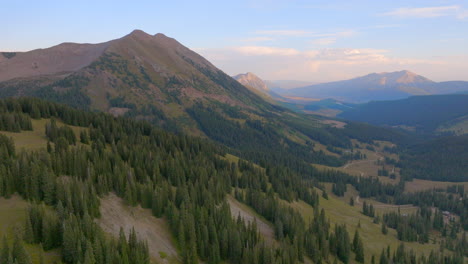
378	86
280	86
324	107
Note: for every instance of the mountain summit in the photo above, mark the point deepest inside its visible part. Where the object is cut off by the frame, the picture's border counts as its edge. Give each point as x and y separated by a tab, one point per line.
393	78
134	73
379	86
251	80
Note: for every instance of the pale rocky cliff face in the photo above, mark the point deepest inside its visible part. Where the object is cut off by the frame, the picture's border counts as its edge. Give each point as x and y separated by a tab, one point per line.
251	80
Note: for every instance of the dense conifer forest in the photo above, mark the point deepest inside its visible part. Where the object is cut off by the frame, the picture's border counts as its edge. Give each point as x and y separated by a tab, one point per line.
424	113
186	180
442	159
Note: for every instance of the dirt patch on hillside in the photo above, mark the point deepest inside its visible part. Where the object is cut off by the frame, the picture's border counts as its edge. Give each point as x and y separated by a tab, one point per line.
417	185
249	215
115	214
118	111
334	123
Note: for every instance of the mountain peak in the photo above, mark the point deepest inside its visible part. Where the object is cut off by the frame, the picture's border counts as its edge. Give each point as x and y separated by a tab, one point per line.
407	77
138	34
252	80
161	35
408	72
399	77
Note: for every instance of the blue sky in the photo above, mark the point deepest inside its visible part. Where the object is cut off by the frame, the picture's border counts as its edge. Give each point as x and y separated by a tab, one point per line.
304	40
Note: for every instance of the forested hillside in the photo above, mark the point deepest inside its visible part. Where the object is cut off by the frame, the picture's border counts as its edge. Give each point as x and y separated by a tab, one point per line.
421	113
442	159
181	178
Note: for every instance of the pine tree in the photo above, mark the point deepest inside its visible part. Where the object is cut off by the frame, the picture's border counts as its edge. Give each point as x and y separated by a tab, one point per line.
383	258
89	254
48	188
18	252
28	235
356	239
41	258
5	251
49	147
84	137
69	249
359	250
325	194
384	228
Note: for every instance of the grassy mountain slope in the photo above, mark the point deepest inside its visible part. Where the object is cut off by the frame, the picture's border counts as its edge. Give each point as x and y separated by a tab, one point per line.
157	79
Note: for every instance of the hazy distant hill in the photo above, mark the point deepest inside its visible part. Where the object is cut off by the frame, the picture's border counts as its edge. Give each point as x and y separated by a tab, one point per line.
379	86
257	85
287	84
282	86
251	80
424	113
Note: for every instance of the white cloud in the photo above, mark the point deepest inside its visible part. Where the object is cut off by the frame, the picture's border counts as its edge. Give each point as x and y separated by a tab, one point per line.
257	39
317	38
323	41
263	50
429	12
283	32
304	33
350	56
462	14
341	34
313	66
325	64
385	26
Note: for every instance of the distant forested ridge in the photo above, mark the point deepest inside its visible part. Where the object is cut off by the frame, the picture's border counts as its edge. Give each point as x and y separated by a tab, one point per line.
442	159
424	113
